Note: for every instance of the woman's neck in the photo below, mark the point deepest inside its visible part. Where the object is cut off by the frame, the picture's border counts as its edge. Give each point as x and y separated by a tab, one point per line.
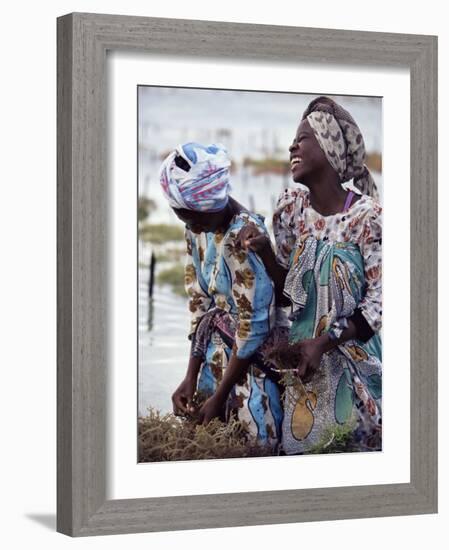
231	209
326	194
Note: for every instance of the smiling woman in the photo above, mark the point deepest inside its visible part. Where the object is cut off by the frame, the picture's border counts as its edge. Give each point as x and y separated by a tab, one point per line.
328	269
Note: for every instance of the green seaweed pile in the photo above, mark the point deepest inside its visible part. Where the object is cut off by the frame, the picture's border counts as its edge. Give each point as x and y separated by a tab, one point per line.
337	438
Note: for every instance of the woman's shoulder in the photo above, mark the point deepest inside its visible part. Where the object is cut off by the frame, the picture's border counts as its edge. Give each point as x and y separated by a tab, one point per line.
196	241
240	220
367	208
188	236
229	241
365	220
246	217
291	196
291	202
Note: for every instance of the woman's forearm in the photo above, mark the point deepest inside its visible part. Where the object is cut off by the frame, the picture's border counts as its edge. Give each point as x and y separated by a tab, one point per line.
276	272
232	374
348	333
193	367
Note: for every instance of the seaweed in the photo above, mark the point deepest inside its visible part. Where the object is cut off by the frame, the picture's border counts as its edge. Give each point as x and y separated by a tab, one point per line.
337	438
164	437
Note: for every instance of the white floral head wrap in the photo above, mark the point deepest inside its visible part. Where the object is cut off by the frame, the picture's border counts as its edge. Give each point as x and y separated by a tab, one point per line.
205	186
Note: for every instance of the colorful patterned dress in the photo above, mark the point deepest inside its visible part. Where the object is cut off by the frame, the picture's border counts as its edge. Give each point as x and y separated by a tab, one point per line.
231	300
335	268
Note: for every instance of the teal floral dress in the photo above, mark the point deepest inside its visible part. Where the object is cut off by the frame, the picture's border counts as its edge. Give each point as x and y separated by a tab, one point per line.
334	265
231	301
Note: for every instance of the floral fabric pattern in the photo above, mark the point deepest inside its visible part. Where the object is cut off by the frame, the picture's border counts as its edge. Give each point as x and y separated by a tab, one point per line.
219	273
294	219
255	400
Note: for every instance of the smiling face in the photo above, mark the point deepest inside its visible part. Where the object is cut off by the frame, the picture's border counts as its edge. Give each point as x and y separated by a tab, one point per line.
306	155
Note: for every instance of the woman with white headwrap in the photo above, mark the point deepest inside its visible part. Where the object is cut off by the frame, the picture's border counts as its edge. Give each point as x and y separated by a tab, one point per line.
327	266
231	297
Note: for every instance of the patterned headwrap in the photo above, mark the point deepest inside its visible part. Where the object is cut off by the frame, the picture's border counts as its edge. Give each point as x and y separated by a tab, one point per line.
341	141
205	187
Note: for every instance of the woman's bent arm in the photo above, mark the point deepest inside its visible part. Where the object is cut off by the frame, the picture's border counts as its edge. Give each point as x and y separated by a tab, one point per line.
235	370
252	239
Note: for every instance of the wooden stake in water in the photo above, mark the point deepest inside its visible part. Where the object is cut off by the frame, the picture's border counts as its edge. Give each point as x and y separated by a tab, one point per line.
151	279
150	291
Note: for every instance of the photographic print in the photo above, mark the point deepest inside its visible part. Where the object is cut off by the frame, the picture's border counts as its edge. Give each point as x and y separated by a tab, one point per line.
255	264
260	273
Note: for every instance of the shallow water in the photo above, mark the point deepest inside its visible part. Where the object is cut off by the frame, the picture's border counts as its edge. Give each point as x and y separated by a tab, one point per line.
163	345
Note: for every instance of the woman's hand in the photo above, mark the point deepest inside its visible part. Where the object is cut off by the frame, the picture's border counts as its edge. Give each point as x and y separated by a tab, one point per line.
212	407
253	239
310	352
304	356
182	398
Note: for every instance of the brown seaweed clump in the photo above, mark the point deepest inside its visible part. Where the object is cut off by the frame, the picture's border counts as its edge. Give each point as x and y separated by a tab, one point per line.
169	437
285	357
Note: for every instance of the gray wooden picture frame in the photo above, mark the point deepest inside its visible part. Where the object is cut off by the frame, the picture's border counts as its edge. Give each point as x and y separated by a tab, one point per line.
83	40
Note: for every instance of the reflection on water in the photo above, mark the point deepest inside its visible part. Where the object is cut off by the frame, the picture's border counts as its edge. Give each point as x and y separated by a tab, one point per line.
150	314
163	344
